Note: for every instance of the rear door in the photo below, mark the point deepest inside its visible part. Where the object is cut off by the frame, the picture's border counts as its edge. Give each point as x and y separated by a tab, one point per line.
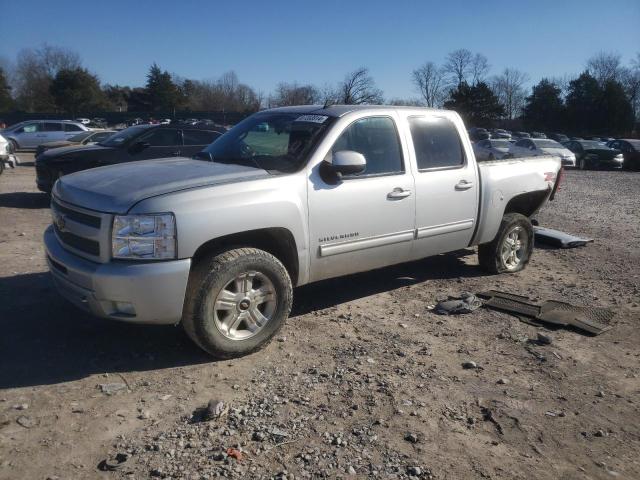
51	132
446	185
71	129
195	141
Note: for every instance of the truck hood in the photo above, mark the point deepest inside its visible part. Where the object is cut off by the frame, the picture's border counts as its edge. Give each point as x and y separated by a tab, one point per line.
117	188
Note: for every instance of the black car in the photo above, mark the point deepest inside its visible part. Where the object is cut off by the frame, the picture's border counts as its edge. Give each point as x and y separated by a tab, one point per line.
83	138
140	142
630	149
592	154
558	137
477	134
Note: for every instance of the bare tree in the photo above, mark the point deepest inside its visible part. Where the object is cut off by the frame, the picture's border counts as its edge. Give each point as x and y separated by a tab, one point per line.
294	94
34	72
479	68
458	65
509	88
405	102
605	66
358	87
563	82
429	81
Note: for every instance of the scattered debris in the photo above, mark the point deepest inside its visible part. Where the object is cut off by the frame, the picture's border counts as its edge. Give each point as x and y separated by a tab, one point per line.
558	238
26	422
469	364
113	464
465	303
544	339
235	453
112	388
411	438
215	409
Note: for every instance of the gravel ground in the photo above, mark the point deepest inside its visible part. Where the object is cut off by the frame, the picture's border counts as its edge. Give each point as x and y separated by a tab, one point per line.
364	381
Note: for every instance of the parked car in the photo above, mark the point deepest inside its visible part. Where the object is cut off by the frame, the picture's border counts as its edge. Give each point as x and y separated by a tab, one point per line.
518	135
558	137
592	154
219	245
28	135
536	147
500	133
5	151
84	121
141	142
84	138
491	149
630	149
538	135
476	134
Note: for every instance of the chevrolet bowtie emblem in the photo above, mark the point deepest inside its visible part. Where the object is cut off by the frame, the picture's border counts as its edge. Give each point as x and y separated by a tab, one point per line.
61	223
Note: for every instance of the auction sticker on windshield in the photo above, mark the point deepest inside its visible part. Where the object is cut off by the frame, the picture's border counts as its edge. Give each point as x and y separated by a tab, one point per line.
312	118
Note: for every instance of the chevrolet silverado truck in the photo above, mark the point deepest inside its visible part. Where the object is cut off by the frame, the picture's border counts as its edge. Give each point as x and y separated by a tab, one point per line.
287	197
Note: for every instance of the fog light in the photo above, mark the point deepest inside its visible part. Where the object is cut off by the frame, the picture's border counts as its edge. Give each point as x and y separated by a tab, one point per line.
124	308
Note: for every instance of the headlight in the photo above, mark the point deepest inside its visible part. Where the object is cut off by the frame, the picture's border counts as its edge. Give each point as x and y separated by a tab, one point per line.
144	237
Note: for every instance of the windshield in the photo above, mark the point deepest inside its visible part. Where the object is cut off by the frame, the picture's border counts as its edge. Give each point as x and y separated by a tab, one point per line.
547	144
122	137
592	144
500	143
274	141
79	137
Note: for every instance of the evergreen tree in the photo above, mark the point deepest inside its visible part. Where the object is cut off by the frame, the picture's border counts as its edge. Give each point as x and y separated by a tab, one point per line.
544	109
76	90
163	92
478	105
6	101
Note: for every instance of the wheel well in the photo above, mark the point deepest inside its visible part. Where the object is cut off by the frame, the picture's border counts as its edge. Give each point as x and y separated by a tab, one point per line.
527	203
279	242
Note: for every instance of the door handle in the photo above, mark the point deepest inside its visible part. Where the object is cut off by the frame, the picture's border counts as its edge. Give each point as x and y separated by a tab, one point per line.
464	185
398	193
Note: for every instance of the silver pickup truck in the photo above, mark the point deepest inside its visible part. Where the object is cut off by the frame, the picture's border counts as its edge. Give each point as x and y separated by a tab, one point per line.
287	197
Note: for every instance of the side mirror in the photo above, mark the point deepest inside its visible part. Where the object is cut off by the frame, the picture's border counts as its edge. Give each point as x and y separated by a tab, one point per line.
347	162
138	147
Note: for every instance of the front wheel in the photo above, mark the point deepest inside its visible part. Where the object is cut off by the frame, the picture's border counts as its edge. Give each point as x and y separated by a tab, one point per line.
582	164
237	302
511	249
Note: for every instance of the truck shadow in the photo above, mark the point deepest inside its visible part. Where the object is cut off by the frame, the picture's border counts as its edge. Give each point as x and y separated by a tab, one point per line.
47	341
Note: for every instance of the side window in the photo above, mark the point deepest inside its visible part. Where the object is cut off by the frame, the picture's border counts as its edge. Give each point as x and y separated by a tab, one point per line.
100	136
377	139
521	143
70	127
199	137
52	127
436	142
161	137
31	128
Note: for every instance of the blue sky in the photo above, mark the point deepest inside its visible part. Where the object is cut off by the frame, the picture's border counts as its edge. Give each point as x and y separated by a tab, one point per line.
266	42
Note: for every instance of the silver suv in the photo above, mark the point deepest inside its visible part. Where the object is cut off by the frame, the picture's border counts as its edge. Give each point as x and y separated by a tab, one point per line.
30	134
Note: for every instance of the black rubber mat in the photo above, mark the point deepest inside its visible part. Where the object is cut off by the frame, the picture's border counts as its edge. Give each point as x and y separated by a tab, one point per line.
594	320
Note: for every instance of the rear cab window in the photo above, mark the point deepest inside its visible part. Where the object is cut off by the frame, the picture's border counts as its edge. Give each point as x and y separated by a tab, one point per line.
436	143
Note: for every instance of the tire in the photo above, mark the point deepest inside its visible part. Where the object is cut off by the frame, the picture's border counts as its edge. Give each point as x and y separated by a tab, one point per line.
491	157
227	289
1	166
14	145
491	255
582	164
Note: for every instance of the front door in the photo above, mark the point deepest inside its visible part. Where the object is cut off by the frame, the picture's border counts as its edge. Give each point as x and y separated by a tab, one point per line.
158	143
446	187
366	220
28	136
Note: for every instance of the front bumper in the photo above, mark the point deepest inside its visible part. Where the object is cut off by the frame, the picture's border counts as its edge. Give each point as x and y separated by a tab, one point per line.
149	292
44	177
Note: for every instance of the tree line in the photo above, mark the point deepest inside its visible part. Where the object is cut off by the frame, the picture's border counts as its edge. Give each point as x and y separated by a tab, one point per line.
604	98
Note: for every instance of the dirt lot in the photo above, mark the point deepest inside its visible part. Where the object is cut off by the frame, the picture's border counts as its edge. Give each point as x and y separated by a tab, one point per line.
364	380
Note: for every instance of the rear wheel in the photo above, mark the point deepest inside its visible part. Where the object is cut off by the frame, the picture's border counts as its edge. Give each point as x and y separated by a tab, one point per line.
511	249
237	302
14	145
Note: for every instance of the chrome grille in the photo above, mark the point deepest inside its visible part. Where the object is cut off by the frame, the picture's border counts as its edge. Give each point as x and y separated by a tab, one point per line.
81	231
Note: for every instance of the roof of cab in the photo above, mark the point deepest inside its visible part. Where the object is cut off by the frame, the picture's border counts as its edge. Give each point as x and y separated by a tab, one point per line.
340	110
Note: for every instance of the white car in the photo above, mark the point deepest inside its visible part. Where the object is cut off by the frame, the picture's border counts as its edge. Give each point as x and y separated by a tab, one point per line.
535	147
6	154
491	149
